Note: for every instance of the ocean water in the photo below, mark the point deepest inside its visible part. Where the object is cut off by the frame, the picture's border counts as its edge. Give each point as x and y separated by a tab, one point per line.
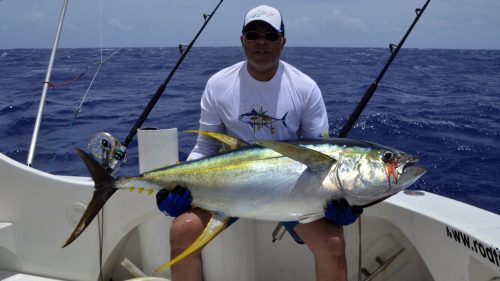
442	105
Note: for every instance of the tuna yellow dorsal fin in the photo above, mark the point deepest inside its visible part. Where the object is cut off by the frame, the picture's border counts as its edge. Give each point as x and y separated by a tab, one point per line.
313	159
232	142
214	226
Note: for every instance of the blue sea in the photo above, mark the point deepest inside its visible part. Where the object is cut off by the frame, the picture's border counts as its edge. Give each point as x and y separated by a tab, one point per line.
442	105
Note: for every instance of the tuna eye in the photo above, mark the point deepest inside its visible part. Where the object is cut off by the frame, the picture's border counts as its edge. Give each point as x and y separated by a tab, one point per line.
387	156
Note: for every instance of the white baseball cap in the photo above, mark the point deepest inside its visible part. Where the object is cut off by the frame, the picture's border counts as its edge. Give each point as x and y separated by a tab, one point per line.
267	14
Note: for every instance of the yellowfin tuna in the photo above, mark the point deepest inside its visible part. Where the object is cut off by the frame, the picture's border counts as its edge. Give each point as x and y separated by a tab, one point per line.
269	180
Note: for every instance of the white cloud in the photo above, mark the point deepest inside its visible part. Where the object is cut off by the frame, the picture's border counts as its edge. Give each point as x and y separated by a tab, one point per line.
316	27
118	24
34	17
446	23
346	22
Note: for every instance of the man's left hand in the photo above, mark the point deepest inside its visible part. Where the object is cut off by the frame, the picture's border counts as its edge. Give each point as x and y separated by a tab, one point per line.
341	213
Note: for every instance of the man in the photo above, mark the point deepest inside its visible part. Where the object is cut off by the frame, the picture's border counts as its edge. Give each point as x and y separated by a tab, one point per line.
260	98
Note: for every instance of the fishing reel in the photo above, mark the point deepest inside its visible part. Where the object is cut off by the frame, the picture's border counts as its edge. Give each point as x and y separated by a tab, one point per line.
109	150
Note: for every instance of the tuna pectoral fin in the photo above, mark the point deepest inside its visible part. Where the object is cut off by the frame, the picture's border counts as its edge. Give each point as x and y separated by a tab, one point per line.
214	226
314	160
104	188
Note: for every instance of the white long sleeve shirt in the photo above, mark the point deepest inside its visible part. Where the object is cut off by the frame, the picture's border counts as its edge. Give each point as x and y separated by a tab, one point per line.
289	106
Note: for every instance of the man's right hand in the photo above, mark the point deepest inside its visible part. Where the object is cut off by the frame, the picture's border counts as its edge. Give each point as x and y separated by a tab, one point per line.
175	202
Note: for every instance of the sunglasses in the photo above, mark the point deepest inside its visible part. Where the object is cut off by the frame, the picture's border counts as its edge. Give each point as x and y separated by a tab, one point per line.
269	36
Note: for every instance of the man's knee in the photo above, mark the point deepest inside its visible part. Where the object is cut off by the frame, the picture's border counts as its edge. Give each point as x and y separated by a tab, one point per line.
324	239
335	246
185	229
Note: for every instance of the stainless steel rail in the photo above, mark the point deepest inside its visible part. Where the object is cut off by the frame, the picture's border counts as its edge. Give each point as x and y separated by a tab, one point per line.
46	83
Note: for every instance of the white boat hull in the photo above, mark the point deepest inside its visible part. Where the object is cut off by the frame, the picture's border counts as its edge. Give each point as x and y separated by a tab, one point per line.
33	225
37	204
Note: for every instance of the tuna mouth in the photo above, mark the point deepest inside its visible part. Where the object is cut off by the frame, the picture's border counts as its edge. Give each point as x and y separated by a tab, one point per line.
411	169
412	161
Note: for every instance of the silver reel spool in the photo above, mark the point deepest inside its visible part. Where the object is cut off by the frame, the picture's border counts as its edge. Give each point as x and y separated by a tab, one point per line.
108	149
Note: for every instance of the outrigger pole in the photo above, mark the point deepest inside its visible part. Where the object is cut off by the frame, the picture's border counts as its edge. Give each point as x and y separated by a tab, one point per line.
46	83
162	87
373	87
279	231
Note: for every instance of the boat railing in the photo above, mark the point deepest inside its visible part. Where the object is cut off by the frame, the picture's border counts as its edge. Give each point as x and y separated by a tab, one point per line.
46	84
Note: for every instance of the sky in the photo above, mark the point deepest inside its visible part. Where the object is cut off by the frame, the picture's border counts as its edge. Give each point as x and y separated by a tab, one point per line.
446	24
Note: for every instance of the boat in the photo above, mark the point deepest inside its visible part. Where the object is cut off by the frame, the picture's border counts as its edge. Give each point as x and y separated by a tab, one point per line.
413	235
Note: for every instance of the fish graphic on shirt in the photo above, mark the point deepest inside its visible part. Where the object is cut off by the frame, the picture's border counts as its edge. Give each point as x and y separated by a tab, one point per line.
259	119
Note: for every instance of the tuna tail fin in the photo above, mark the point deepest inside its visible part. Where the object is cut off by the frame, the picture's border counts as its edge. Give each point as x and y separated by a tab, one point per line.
104	185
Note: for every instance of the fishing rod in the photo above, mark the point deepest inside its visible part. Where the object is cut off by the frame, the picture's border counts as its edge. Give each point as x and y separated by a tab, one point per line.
162	87
359	109
111	152
373	87
109	149
279	231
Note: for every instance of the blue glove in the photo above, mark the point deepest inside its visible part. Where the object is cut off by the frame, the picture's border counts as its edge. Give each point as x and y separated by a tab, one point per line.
175	202
339	212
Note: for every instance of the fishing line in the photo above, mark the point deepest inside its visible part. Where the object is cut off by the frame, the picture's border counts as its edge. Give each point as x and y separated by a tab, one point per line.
80	106
100	27
373	87
360	250
79	76
119	158
71	81
120	155
65	83
182	46
100	215
163	85
100	226
364	101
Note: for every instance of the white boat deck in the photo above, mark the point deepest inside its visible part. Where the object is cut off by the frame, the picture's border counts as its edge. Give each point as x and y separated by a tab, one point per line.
14	276
443	239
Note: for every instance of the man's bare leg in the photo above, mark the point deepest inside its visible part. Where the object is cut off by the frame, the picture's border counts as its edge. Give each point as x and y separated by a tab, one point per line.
327	244
183	231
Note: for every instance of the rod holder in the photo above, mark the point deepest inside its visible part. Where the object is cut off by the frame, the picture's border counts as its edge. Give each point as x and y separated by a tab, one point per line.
382	265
